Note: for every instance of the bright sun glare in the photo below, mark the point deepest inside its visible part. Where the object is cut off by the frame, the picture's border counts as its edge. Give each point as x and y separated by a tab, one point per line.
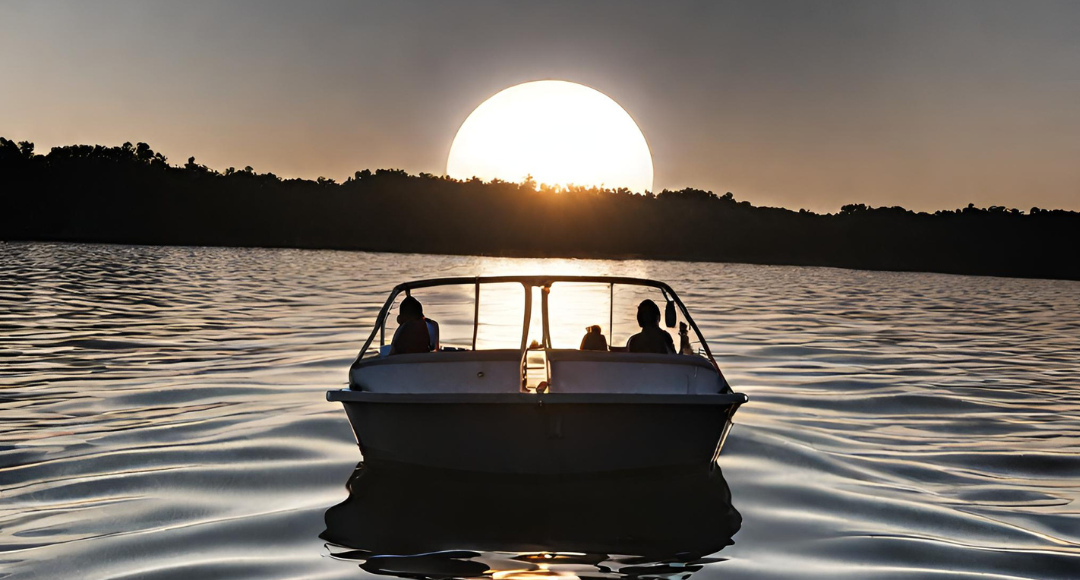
559	132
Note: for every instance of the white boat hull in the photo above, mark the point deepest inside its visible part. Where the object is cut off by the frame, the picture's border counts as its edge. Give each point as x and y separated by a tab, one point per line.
526	433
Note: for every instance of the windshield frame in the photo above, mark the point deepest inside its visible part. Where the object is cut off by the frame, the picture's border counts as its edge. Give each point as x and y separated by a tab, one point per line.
528	283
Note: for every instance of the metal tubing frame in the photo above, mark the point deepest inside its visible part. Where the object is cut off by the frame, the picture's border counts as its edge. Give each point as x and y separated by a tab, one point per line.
611	313
529	282
476	313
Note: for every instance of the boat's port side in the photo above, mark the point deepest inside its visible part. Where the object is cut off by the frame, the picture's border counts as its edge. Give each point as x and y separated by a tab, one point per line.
482	371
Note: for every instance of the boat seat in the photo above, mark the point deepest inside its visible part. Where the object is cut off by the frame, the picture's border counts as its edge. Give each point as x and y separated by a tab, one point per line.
579	371
471	371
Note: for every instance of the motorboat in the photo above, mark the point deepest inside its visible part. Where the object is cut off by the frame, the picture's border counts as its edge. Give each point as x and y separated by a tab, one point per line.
422	523
517	396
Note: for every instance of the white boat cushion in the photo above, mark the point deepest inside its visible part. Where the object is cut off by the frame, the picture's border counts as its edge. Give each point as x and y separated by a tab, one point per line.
483	371
574	371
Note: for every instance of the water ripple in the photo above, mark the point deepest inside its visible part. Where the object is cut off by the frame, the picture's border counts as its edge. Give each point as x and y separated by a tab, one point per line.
163	412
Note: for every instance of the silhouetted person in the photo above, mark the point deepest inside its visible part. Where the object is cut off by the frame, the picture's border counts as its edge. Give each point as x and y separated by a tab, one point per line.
652	338
684	340
594	339
412	333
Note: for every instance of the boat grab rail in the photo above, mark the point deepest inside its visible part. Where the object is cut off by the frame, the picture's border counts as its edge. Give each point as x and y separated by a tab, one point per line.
529	282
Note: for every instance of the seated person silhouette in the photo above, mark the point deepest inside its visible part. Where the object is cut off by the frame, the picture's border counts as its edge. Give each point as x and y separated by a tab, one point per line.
594	339
652	338
412	335
684	340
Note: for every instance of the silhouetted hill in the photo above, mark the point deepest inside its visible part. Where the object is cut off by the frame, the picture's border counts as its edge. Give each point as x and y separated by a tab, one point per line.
130	194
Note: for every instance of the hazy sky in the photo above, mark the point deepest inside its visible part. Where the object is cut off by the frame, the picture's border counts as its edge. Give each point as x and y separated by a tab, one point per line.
802	104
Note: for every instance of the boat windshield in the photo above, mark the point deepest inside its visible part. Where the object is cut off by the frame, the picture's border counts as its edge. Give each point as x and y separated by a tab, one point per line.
529	314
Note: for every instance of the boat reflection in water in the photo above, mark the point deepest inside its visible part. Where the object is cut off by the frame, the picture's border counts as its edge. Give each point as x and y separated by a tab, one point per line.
421	523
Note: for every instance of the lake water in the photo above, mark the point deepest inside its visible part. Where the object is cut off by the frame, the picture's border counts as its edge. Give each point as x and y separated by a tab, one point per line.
163	416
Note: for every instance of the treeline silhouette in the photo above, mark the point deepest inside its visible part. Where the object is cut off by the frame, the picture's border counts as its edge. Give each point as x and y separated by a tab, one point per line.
132	195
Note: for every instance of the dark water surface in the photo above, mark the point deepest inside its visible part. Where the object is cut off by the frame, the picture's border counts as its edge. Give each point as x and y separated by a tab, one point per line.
163	416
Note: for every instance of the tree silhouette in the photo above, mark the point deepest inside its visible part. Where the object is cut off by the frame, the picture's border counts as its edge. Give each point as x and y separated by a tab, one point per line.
130	194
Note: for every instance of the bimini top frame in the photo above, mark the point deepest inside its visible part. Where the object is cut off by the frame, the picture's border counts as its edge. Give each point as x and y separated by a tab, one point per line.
529	282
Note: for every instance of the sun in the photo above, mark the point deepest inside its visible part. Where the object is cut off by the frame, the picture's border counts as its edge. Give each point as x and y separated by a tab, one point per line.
559	132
